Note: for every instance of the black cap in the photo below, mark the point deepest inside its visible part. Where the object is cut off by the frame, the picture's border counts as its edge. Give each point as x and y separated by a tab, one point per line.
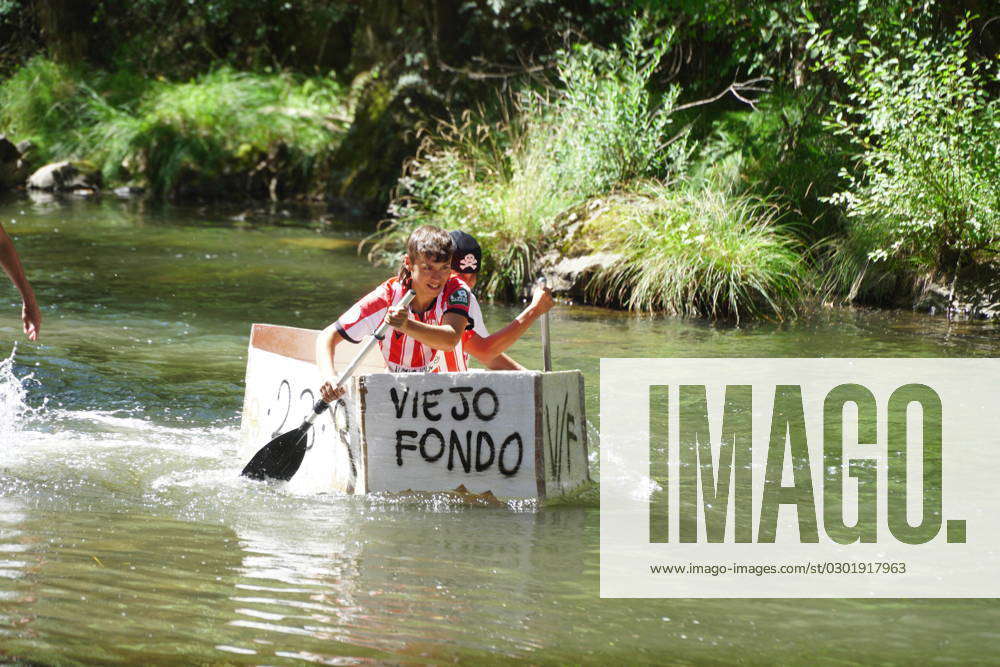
468	255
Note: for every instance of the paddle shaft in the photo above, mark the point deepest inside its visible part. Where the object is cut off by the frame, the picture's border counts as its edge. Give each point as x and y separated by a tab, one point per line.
379	333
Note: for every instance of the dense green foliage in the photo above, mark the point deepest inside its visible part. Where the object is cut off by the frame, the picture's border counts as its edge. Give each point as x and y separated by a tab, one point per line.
691	245
178	38
695	247
927	186
221	128
737	155
507	182
788	156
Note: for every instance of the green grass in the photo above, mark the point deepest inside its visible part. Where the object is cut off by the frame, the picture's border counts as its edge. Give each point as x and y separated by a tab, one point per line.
501	183
695	247
216	127
41	101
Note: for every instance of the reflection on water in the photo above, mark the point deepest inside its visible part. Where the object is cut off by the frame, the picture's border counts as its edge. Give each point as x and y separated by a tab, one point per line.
126	534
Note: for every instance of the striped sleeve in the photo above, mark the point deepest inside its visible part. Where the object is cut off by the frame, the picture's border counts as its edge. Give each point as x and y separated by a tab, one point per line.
476	314
458	298
363	318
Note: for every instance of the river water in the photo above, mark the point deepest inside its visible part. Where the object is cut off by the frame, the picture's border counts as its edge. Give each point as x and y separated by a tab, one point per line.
126	534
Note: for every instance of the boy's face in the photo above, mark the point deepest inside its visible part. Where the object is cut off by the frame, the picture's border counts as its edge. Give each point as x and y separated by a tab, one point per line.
470	279
428	276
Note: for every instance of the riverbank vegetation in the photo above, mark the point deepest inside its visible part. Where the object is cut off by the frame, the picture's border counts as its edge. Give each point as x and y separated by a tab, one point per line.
726	159
924	195
600	166
221	132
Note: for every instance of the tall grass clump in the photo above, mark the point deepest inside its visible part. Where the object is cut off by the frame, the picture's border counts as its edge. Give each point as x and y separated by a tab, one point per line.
42	101
217	127
223	122
923	196
506	182
697	246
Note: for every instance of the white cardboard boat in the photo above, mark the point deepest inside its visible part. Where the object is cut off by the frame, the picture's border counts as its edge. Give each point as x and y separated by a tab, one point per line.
515	434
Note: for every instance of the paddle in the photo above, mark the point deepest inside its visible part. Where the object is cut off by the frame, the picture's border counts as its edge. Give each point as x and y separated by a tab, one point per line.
546	349
281	458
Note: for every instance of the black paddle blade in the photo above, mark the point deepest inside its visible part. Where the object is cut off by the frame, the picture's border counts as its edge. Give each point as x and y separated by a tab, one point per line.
280	458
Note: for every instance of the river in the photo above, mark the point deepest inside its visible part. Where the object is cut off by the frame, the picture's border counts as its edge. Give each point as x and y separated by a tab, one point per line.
127	536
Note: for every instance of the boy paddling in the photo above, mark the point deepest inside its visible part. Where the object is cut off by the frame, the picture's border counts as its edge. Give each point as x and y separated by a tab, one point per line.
434	321
487	348
443	323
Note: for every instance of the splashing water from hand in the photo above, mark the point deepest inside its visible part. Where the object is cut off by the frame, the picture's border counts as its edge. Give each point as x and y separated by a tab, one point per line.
14	410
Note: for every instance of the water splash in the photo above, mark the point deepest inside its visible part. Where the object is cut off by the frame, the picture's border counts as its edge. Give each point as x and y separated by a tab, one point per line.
14	409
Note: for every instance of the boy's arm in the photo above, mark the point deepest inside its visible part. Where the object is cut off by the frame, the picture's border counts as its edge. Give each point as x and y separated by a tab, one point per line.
502	362
494	344
31	316
326	342
444	336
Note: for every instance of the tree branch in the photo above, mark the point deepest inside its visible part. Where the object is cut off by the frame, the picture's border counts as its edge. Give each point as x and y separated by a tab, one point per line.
482	75
739	89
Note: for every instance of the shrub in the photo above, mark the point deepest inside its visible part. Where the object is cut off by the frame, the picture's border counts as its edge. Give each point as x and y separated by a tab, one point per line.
695	247
218	125
222	122
41	101
924	194
788	156
690	246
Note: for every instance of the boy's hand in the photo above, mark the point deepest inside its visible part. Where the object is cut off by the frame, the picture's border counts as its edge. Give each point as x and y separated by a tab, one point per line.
397	317
541	299
31	317
330	392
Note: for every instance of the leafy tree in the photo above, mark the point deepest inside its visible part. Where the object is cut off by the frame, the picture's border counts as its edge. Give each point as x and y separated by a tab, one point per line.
925	189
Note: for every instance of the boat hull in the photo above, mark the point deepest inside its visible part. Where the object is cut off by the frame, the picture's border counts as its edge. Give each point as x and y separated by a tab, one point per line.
514	434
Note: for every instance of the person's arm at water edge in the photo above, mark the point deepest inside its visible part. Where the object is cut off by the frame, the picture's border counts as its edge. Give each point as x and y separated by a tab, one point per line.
31	316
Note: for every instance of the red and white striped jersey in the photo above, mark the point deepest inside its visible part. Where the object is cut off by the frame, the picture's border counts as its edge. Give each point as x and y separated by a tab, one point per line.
457	360
402	353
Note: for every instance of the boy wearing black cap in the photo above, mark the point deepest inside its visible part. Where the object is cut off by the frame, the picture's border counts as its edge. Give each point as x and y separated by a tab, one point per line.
489	349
